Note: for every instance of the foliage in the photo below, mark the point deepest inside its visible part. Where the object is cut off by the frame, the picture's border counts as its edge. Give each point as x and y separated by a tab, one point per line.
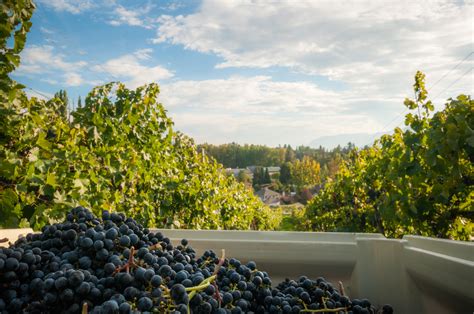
293	218
303	196
236	156
244	177
261	176
305	173
15	18
119	154
64	101
240	156
328	172
285	173
289	154
270	217
418	181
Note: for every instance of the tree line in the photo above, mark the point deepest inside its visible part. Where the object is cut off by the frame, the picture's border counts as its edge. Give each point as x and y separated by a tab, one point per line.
299	159
235	155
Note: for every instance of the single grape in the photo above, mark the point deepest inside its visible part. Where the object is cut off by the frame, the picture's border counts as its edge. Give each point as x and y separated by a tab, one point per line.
144	304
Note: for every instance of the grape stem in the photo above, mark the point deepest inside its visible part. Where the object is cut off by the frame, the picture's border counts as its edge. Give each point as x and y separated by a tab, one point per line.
84	308
221	262
204	284
127	265
341	288
218	266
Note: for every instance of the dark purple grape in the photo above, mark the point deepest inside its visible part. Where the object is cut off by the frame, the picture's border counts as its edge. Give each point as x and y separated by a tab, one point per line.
144	304
125	308
11	264
110	307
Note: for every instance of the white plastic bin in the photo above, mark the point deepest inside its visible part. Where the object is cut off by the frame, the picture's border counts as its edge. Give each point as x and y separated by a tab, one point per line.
414	274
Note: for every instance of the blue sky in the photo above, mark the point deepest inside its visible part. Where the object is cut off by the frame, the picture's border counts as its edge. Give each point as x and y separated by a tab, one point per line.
260	72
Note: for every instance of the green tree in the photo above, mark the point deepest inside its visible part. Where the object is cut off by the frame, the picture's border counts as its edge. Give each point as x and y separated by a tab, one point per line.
306	172
266	177
63	101
258	176
289	154
244	177
285	173
79	103
333	166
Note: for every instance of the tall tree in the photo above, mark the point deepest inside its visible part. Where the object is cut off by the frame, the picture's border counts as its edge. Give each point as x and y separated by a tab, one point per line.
79	103
290	154
266	177
306	172
243	177
333	166
285	173
258	176
62	96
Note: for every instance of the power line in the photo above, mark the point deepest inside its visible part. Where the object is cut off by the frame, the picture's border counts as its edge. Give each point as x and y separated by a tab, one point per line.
439	80
399	115
454	82
39	93
442	77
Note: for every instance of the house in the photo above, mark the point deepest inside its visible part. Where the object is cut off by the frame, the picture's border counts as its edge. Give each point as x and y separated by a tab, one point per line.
269	197
252	168
273	170
236	171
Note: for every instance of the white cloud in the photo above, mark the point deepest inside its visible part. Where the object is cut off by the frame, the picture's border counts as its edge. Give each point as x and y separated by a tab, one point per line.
143	54
50	65
73	79
39	59
129	68
71	6
50	81
257	94
374	47
46	31
173	6
132	17
261	111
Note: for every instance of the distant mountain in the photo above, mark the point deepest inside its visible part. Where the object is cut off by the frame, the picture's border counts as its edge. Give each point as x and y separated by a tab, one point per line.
359	139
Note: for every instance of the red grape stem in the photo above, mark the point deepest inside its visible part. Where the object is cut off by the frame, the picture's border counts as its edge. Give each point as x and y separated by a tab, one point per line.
127	265
216	270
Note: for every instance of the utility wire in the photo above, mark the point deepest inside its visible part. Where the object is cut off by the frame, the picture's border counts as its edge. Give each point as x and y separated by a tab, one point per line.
39	93
454	82
439	80
442	77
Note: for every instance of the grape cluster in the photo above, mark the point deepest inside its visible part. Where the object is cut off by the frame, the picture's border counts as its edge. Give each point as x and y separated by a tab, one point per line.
114	265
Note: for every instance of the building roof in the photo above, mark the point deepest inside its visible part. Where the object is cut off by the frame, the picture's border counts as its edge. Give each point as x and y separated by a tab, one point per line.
273	169
268	196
